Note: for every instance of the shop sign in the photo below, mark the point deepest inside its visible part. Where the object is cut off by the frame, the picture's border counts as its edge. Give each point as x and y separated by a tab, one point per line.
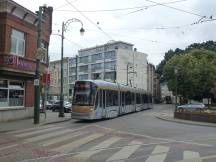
46	78
11	60
14	60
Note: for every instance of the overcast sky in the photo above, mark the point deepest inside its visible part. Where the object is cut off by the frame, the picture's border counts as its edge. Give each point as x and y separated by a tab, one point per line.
152	29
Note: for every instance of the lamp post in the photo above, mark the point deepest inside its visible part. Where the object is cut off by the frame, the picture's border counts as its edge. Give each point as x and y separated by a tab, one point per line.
127	71
37	71
64	29
176	87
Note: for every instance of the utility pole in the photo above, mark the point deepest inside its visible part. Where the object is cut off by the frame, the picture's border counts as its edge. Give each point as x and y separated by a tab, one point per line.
76	67
61	111
37	72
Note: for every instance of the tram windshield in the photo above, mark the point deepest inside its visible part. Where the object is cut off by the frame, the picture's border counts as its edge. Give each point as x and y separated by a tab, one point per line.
84	93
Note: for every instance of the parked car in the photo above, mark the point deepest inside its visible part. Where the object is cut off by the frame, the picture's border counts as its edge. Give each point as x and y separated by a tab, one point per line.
48	105
196	105
67	106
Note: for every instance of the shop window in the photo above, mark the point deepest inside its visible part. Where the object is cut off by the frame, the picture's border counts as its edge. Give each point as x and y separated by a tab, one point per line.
11	93
16	97
18	43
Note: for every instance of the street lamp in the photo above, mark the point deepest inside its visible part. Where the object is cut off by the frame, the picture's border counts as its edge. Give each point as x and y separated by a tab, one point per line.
127	71
176	87
64	29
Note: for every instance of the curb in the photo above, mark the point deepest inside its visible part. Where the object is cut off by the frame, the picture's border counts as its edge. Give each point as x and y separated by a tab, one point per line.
54	122
165	118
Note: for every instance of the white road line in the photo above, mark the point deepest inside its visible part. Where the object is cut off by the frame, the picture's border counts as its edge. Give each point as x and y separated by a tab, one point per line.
29	129
7	147
39	131
126	151
98	148
71	146
160	149
158	154
157	158
190	155
62	138
48	135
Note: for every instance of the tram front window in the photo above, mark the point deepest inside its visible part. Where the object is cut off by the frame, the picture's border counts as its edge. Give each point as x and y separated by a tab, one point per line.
84	94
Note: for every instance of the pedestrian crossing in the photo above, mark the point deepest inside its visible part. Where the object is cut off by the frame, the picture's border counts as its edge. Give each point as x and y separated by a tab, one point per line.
93	143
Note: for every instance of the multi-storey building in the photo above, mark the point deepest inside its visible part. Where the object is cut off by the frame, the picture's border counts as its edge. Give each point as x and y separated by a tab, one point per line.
153	81
55	78
115	61
18	43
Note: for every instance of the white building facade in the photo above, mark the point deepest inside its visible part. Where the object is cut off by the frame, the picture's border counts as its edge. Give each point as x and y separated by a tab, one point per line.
115	62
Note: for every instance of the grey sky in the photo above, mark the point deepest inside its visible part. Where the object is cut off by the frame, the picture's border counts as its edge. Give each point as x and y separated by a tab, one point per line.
139	26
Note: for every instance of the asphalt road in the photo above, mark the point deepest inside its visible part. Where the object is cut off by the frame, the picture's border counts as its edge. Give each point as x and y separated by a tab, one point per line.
134	137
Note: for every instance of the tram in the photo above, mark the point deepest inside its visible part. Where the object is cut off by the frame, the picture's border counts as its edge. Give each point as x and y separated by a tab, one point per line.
97	99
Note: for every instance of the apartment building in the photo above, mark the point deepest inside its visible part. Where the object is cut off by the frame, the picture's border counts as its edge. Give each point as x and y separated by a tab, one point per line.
55	78
115	61
153	81
18	43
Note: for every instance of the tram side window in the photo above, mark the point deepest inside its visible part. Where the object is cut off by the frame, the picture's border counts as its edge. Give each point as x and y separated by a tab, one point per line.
138	99
145	98
128	98
115	98
123	98
111	98
132	98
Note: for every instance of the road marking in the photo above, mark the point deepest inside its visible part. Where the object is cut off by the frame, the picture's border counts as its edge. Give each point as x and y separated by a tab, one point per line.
71	146
98	148
160	149
39	131
157	138
7	147
62	138
126	151
190	155
158	154
29	129
48	135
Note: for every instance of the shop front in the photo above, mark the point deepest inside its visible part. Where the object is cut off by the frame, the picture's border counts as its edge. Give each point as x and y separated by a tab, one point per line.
16	87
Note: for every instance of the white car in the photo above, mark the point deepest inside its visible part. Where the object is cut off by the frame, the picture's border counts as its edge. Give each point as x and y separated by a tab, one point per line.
192	106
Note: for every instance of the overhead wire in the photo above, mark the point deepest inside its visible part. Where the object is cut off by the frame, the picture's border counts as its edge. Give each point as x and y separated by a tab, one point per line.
178	9
90	20
122	9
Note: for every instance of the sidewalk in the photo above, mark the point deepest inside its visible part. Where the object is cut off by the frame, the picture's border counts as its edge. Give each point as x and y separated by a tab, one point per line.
170	117
51	117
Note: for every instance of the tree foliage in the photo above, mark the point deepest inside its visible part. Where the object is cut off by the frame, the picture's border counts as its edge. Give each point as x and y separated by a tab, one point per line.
196	73
209	45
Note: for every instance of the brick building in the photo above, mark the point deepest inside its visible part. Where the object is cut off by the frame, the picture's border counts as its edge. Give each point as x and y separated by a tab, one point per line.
18	43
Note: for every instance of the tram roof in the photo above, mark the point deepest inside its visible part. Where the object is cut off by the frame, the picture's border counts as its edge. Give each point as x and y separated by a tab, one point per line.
114	86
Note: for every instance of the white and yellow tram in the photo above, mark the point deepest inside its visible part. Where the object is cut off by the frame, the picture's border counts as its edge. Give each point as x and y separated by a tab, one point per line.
96	99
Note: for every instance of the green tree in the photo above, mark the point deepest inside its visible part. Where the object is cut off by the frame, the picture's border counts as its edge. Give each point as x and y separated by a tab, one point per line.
196	73
209	45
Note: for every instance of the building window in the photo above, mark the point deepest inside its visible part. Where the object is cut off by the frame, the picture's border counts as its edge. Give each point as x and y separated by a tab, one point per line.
83	60
110	65
83	77
18	43
72	70
96	57
110	55
72	62
96	76
11	93
96	67
72	78
83	69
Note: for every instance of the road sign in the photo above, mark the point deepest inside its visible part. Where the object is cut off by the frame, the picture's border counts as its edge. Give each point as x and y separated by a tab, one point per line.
36	82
